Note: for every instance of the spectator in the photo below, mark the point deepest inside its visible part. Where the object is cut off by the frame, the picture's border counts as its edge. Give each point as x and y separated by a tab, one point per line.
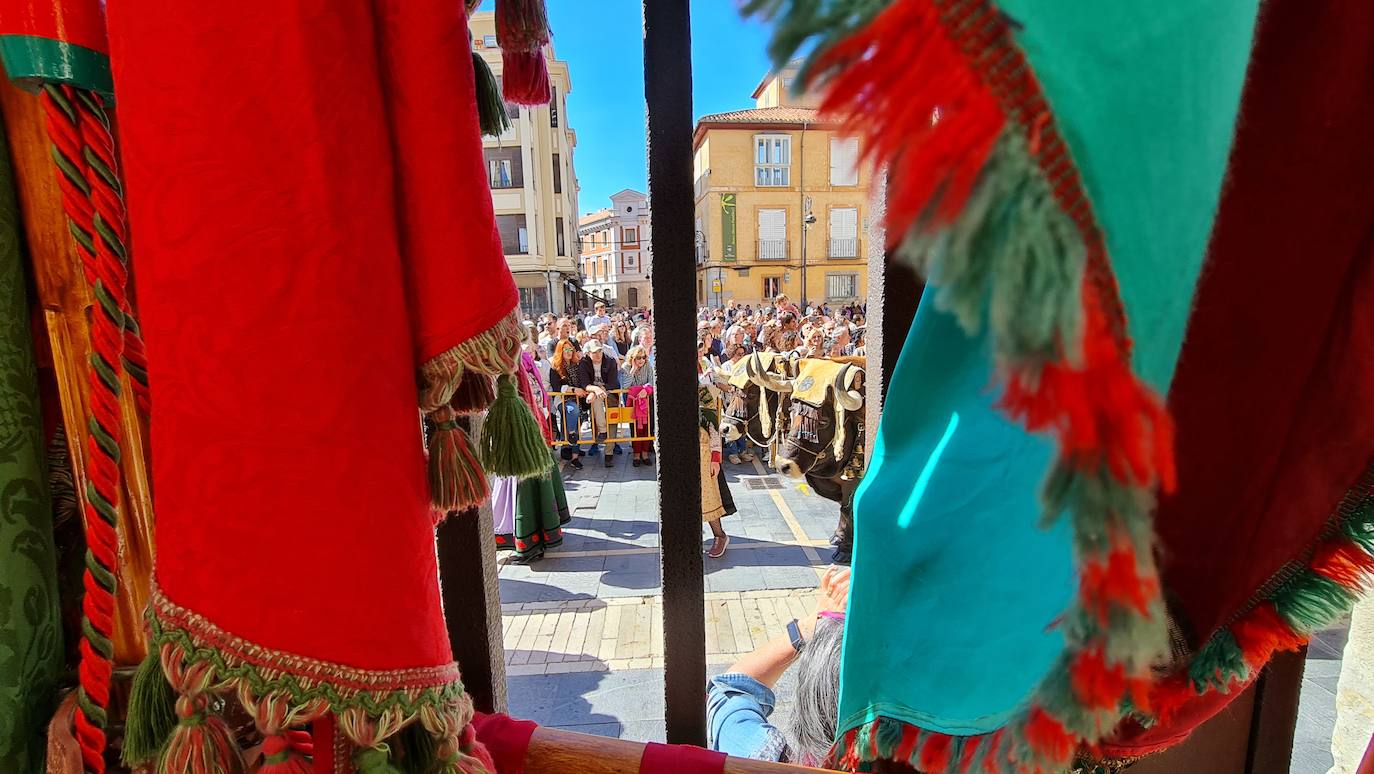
567	409
602	333
783	304
740	701
620	336
598	316
598	375
639	374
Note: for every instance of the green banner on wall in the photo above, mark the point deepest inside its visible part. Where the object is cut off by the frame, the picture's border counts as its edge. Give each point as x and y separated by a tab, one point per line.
727	227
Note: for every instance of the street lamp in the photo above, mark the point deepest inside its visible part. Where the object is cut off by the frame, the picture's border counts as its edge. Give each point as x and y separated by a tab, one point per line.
808	220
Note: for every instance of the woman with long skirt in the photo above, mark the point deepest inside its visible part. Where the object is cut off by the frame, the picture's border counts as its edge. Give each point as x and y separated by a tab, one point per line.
541	503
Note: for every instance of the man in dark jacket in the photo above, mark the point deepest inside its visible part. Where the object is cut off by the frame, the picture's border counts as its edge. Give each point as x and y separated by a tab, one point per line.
598	374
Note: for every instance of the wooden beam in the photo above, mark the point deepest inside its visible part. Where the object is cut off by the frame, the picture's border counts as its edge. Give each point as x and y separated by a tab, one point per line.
668	98
472	604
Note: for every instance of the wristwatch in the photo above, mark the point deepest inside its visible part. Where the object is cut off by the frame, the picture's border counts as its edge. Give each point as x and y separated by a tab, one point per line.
794	634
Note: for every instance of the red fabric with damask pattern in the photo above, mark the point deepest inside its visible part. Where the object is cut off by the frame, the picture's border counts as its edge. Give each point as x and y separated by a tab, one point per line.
306	188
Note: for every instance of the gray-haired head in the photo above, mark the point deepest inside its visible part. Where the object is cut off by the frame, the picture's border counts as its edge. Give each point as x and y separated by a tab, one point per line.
810	729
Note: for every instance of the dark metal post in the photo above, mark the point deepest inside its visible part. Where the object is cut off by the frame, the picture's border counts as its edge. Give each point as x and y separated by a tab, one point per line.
668	97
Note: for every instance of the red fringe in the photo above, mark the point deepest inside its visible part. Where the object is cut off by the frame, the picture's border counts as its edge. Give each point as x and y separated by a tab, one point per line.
911	738
1345	563
1171	694
918	106
1262	632
1117	582
296	745
1049	738
525	77
521	25
935	753
1097	685
1100	412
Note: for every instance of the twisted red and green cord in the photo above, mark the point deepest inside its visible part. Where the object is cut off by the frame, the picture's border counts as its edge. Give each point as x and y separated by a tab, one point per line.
84	156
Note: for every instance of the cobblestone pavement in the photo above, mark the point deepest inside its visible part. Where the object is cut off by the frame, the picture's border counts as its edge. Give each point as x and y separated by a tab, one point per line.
584	627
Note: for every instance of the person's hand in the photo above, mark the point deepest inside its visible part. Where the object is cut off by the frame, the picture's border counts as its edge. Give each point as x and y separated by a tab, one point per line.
715	468
834	596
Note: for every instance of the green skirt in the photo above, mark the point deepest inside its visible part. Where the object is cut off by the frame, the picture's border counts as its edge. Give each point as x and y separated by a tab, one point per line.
541	510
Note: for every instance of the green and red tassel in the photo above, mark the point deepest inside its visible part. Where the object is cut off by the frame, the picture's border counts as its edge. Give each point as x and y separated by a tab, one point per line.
941	95
522	31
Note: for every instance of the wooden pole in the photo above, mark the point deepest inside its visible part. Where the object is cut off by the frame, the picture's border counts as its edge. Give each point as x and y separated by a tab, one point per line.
66	302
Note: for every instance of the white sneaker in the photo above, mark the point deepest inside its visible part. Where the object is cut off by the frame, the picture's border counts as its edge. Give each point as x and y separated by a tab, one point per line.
734	459
747	456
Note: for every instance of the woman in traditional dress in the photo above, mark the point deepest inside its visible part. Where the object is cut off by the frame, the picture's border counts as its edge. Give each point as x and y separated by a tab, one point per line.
716	500
541	503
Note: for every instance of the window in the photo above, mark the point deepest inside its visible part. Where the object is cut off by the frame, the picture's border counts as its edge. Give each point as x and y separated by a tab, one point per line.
772	159
629	235
839	287
534	301
633	294
558	235
605	267
514	235
504	167
489	41
772	235
844	232
553	108
772	287
557	174
844	161
630	259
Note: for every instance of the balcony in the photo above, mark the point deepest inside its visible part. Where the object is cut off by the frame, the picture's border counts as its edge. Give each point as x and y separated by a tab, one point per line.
844	248
772	250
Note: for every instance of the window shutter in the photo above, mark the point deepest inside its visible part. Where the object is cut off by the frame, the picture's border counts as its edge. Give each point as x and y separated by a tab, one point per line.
772	225
844	223
844	161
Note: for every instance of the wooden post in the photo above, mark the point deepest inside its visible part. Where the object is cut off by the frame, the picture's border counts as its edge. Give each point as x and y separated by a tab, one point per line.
668	97
66	302
472	604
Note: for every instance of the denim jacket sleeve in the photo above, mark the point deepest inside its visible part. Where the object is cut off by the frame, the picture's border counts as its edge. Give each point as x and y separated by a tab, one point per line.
737	710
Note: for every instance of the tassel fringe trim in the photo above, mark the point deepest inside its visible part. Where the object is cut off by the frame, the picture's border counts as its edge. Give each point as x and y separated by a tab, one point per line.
984	196
1304	598
196	666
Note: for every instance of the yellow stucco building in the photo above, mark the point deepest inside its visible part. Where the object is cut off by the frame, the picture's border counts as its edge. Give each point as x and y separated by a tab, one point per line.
781	203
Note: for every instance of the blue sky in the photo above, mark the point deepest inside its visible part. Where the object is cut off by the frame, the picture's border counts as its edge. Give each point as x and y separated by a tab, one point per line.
603	43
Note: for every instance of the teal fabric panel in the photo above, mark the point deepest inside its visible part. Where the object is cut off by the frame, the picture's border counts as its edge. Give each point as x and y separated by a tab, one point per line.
1145	93
955	589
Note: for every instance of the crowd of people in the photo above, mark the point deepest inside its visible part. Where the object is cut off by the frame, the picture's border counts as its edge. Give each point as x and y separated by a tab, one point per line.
602	359
576	368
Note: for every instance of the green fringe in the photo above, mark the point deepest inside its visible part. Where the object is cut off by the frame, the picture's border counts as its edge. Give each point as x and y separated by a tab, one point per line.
491	108
1219	663
1012	256
375	760
818	24
1310	602
512	444
151	714
419	750
889	736
1359	525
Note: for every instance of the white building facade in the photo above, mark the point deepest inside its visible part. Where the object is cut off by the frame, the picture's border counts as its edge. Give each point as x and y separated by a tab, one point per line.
617	250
